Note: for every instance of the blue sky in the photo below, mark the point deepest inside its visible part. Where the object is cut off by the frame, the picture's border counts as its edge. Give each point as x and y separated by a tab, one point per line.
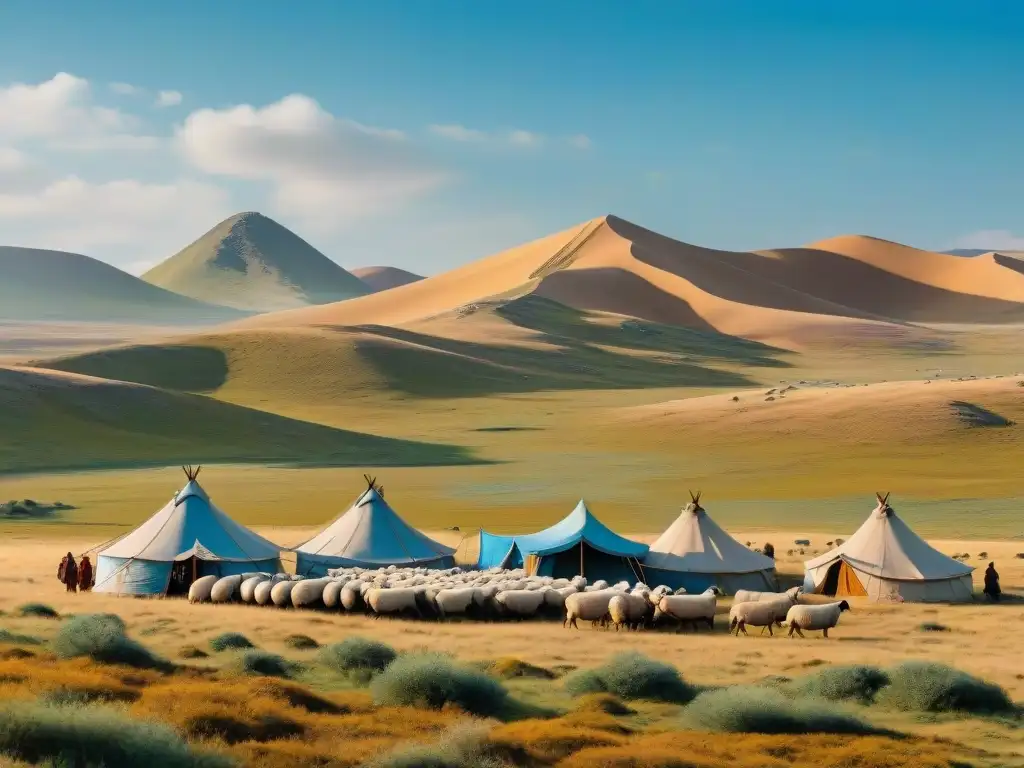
428	134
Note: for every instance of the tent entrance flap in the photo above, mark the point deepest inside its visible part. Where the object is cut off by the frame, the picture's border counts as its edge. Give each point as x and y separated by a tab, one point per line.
183	573
841	581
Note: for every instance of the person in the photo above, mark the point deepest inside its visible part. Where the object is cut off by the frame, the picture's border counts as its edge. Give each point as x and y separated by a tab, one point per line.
70	572
992	582
84	575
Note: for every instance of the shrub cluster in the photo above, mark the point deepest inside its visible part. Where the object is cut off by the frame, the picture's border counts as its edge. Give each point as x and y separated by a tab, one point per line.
38	611
924	686
101	637
855	683
357	657
435	681
265	663
742	709
230	641
632	675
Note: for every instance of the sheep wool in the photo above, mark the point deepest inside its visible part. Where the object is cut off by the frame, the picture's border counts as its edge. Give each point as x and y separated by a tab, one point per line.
589	606
757	614
521	602
309	592
691	608
247	589
199	592
815	617
281	594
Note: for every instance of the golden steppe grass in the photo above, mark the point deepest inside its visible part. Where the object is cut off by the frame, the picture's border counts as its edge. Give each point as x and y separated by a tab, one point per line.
978	638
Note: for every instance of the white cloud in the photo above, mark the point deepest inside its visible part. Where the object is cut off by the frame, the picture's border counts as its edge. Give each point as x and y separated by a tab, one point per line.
580	141
457	132
992	240
61	111
125	220
18	171
126	89
324	169
168	98
523	138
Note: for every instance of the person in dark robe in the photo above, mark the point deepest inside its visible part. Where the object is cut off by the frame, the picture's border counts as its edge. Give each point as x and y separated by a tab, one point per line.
85	575
62	569
70	578
992	582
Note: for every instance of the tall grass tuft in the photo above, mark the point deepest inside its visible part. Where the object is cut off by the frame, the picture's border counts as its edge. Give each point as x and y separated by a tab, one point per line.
230	641
101	637
94	737
632	675
858	683
14	638
357	657
924	686
462	746
742	709
38	611
267	664
434	681
301	642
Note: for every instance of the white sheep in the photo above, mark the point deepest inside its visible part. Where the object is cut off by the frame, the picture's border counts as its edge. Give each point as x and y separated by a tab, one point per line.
309	592
454	601
751	596
199	592
352	595
382	601
261	594
757	614
815	617
691	608
281	593
520	602
225	589
555	598
332	593
627	610
247	589
589	606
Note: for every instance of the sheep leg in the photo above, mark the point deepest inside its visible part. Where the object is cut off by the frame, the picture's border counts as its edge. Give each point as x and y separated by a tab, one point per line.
711	622
742	627
824	633
770	632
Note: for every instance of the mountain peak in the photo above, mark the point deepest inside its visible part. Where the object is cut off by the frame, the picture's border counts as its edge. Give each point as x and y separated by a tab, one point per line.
249	261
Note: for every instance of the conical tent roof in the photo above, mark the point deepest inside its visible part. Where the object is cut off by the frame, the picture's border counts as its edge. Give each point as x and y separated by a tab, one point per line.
191	525
885	547
696	543
371	533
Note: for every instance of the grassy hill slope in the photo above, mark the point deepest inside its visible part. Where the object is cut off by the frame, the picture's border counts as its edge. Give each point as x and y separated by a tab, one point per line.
251	262
57	421
42	285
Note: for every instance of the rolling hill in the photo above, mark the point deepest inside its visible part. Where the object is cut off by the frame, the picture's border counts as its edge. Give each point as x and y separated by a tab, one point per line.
251	262
43	285
59	421
385	278
849	288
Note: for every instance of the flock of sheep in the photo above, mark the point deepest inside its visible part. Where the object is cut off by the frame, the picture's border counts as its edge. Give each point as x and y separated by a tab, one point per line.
511	594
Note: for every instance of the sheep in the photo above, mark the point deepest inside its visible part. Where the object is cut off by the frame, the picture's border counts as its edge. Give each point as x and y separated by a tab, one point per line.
691	608
332	593
261	594
383	601
750	596
680	591
247	589
757	614
589	606
199	592
225	589
281	593
814	617
309	592
352	595
520	602
555	598
452	601
627	610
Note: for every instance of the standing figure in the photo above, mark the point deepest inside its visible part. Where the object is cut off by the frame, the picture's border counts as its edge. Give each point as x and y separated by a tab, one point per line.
992	582
70	567
85	575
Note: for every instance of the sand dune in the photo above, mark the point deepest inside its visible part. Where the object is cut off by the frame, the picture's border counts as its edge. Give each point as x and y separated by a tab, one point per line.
385	278
847	289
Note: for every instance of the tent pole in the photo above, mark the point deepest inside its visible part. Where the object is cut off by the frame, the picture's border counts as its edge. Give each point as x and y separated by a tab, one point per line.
581	557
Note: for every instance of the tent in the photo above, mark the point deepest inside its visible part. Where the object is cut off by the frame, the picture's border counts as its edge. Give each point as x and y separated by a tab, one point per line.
886	561
577	544
370	534
188	538
695	553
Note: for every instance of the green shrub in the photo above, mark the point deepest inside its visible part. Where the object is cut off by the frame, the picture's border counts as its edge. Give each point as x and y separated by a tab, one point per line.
463	746
101	636
742	709
94	737
357	655
857	683
230	641
924	686
38	611
433	680
14	638
256	662
632	675
301	642
192	652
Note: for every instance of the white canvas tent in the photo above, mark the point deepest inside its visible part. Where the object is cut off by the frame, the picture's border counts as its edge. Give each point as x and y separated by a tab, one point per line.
695	553
886	561
188	538
370	534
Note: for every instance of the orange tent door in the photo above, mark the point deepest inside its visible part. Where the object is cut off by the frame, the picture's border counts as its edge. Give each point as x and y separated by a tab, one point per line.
841	581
